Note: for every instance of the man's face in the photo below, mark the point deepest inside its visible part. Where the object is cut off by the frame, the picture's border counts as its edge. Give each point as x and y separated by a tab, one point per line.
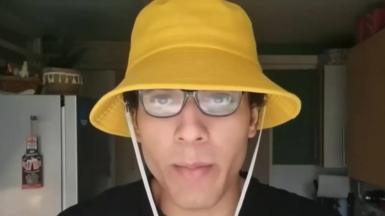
196	158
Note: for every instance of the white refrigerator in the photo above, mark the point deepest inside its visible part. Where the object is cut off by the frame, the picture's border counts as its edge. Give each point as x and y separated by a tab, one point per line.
77	158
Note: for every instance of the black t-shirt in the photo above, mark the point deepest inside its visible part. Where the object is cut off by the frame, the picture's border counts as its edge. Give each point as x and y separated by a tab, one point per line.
261	200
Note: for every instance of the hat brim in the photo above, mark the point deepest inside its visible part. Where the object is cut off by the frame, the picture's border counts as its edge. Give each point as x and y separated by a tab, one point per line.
194	68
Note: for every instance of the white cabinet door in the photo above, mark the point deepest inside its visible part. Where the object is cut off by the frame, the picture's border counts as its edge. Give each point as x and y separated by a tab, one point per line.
334	116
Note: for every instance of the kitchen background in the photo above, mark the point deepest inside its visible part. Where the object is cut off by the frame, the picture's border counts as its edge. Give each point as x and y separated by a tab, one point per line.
329	53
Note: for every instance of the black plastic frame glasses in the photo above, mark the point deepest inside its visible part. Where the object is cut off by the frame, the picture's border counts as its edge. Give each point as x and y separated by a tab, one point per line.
195	94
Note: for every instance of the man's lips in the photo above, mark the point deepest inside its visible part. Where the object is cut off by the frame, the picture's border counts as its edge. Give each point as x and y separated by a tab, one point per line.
193	165
193	170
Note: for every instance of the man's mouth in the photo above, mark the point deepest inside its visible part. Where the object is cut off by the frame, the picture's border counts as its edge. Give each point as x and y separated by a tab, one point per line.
193	170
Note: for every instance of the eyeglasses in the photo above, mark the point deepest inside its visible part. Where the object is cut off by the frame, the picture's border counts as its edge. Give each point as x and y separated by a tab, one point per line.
164	103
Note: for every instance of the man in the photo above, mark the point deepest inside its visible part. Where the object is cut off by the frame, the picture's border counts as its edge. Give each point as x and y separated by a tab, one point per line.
193	94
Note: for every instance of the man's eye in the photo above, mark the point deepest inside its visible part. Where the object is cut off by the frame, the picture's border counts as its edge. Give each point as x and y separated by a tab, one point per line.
161	99
221	99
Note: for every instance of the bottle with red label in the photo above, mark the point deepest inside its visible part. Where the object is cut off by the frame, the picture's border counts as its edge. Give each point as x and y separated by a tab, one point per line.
32	160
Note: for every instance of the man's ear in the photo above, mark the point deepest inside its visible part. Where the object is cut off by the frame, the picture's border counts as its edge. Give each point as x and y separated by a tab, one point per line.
253	125
134	118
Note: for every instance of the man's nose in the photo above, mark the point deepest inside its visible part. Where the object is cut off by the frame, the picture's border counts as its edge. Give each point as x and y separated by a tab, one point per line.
191	126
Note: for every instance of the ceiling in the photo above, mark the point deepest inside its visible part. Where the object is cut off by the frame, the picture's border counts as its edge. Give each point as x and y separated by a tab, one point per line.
317	22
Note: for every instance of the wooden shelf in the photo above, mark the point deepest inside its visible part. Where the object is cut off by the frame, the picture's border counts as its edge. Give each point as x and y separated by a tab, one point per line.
16	84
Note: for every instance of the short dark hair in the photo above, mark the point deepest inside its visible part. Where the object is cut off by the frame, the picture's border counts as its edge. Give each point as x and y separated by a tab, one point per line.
132	99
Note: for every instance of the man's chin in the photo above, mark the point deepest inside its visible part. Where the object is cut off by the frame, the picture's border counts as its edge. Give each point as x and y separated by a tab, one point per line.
194	189
196	202
198	196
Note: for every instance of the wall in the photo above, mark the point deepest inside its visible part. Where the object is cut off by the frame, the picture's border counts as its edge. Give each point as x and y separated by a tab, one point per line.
102	66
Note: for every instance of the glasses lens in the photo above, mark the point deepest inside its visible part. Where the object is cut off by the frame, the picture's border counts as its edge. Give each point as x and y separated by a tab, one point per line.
162	103
219	103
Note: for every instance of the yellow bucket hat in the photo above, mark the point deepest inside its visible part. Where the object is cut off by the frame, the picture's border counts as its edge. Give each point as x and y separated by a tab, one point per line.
195	45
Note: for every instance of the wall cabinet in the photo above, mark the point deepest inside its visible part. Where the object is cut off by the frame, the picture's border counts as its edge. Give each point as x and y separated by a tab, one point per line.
366	111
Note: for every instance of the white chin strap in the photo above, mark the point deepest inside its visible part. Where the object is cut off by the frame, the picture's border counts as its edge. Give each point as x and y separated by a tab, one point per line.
140	163
144	175
252	163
